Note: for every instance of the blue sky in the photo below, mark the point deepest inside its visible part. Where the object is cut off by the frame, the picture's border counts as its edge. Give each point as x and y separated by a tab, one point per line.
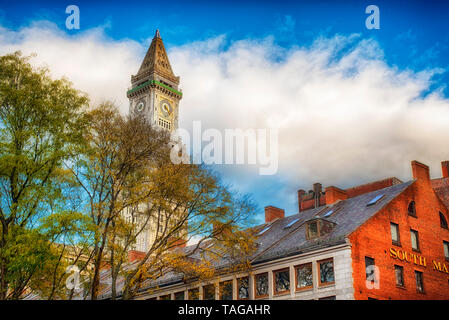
413	37
413	34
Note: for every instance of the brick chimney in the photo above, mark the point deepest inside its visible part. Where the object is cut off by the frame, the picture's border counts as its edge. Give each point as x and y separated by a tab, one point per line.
301	193
445	169
273	213
176	243
333	194
221	228
134	255
420	171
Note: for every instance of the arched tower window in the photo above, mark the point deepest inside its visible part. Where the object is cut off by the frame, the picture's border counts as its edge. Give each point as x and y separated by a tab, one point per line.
412	209
443	221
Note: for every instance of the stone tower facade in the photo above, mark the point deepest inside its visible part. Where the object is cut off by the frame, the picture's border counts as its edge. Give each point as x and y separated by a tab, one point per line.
155	93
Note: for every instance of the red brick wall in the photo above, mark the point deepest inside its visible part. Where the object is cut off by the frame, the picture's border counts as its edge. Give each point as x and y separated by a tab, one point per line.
373	239
369	187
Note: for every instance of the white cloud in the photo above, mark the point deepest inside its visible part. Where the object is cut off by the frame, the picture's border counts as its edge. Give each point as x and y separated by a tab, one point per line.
96	64
344	116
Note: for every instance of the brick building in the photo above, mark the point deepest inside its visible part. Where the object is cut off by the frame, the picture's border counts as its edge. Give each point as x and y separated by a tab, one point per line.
383	240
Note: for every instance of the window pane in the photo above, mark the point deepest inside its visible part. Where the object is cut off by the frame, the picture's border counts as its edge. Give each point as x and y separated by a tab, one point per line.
443	221
399	275
446	249
243	285
226	290
281	280
165	297
313	229
419	281
261	284
412	209
414	236
179	295
304	276
209	292
327	271
394	232
194	294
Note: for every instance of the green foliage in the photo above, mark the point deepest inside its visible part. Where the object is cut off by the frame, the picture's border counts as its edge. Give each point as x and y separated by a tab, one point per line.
41	124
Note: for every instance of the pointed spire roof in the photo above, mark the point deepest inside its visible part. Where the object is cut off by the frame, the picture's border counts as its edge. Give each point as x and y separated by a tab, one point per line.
156	60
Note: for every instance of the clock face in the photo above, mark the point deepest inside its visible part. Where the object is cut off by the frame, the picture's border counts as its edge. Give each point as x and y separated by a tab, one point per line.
166	108
140	106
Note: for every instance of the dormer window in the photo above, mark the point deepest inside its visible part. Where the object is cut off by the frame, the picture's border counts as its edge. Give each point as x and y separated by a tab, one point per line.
318	228
412	209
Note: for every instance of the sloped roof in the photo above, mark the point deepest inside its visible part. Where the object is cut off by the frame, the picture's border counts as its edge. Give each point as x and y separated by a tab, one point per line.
156	60
348	215
280	241
441	187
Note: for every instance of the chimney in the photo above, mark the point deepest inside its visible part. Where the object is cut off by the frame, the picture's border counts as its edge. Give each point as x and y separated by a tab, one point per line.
445	169
176	243
420	171
333	194
317	193
273	213
134	255
301	193
220	228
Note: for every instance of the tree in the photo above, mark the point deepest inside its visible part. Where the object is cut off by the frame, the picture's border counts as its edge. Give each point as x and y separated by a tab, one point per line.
41	125
132	187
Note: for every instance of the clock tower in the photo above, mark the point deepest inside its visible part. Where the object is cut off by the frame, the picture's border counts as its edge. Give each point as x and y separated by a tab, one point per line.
154	93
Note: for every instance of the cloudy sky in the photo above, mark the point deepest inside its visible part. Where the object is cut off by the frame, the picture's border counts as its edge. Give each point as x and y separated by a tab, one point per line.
351	105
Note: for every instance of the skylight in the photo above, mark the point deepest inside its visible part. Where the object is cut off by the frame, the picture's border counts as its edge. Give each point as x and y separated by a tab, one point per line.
265	229
327	214
291	223
375	199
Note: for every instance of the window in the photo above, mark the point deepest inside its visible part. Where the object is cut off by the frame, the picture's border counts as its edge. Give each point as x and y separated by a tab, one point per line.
226	290
375	199
243	288
281	281
369	268
179	295
443	221
261	283
312	230
292	223
415	241
326	271
318	227
412	209
395	234
194	294
446	249
165	297
304	276
209	292
264	230
419	282
328	298
164	124
399	274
